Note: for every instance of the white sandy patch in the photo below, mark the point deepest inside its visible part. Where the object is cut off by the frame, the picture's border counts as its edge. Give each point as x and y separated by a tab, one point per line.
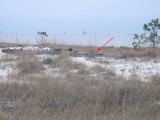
46	48
4	73
30	48
129	67
55	72
6	69
126	67
14	48
24	48
83	60
41	57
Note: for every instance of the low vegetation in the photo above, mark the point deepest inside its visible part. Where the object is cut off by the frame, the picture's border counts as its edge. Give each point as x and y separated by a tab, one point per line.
125	51
28	63
81	92
48	60
65	63
82	98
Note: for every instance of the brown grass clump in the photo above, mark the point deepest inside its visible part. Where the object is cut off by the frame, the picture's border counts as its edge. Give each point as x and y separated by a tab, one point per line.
83	71
143	52
48	60
97	69
28	63
65	63
4	44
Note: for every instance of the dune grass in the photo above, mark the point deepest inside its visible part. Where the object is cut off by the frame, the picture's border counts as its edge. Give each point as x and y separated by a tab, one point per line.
80	98
78	95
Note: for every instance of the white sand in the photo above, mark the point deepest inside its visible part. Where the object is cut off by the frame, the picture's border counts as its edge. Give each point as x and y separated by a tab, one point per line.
143	69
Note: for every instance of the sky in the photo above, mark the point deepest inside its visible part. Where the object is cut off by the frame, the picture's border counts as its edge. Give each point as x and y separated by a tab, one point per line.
76	16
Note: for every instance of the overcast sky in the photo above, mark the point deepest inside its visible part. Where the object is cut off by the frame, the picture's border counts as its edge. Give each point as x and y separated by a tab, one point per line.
75	16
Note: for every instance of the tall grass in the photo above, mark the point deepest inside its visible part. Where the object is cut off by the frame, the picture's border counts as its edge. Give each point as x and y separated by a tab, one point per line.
81	98
28	63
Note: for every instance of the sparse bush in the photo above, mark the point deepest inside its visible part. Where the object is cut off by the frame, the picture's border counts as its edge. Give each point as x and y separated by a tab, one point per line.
61	61
65	63
48	61
156	79
31	65
97	69
83	70
110	75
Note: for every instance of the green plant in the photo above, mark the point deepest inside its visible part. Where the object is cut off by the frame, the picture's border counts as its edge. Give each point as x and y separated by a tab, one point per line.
150	35
42	35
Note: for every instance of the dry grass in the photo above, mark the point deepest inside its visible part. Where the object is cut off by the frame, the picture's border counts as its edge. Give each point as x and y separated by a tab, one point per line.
77	95
97	69
126	51
80	96
142	52
65	63
28	63
80	99
4	44
48	60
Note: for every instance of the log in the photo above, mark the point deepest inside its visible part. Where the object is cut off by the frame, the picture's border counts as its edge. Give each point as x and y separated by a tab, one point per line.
59	51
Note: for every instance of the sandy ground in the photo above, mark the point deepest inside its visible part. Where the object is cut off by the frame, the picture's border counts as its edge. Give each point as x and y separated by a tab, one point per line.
140	68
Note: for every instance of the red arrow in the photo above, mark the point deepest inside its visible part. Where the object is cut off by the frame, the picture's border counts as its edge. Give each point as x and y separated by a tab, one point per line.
105	44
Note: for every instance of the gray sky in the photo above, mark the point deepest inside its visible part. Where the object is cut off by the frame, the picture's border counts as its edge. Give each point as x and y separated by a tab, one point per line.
74	16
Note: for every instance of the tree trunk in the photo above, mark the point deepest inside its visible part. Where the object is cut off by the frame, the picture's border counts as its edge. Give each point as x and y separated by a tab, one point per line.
153	46
42	40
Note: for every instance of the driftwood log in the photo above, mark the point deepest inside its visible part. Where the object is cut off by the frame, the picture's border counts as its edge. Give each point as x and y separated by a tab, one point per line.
59	51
